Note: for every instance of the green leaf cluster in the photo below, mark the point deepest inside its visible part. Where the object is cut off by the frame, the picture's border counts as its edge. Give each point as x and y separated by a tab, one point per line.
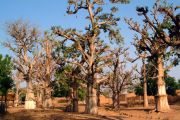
6	81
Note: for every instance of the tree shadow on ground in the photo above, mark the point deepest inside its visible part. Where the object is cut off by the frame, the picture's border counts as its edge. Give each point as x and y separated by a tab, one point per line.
52	115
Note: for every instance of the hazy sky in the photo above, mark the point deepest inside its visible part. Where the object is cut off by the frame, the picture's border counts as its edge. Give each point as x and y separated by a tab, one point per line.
48	13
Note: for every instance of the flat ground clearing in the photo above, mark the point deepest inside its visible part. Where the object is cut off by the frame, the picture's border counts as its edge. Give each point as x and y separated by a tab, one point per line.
137	113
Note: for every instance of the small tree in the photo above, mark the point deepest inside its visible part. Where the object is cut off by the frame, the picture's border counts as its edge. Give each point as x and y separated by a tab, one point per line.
6	81
69	73
120	78
171	85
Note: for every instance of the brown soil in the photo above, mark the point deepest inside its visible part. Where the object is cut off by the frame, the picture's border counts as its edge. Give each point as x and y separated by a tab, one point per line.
104	113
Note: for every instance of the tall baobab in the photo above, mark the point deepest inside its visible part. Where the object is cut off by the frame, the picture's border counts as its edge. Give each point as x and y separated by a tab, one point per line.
45	67
24	38
87	41
155	40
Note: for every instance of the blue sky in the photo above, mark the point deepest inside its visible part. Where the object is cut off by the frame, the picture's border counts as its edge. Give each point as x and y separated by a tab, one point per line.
47	13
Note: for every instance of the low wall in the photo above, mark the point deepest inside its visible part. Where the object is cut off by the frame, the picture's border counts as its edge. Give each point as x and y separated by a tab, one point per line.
130	99
173	99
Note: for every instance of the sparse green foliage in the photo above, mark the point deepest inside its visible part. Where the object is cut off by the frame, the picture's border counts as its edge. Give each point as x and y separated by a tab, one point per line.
171	87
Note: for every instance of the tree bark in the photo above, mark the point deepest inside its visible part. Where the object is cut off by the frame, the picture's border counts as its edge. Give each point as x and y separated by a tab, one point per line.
162	101
17	95
75	101
75	96
48	89
30	99
118	99
40	95
98	95
48	98
91	99
145	85
113	99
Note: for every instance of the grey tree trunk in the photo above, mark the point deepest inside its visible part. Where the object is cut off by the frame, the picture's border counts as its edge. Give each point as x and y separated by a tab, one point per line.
91	99
48	98
162	101
30	99
40	95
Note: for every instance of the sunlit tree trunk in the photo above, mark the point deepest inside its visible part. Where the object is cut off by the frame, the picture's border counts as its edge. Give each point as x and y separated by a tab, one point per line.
145	85
47	97
30	99
48	89
48	100
91	100
40	97
162	101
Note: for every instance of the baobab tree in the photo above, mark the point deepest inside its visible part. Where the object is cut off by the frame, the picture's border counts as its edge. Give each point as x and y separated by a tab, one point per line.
120	78
49	70
68	70
44	72
86	42
23	39
155	40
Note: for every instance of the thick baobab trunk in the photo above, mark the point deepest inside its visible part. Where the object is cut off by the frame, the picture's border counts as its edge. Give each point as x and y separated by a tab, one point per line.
114	99
48	98
98	95
91	99
30	99
16	103
48	89
162	101
145	86
75	96
75	101
118	99
40	95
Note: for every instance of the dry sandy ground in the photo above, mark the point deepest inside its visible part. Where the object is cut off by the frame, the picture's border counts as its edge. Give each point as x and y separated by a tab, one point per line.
104	113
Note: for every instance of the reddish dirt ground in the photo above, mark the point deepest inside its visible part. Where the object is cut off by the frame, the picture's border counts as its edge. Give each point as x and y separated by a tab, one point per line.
104	113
